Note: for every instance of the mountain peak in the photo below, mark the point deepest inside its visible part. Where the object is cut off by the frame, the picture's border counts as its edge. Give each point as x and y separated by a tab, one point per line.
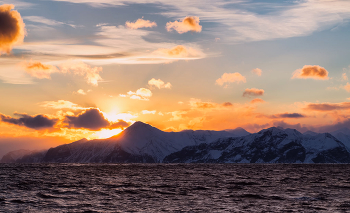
139	124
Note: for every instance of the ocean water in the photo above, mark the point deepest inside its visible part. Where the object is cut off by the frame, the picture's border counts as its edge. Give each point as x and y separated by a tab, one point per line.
174	188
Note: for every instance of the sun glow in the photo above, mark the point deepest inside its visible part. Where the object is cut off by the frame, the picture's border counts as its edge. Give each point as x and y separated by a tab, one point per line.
114	116
105	133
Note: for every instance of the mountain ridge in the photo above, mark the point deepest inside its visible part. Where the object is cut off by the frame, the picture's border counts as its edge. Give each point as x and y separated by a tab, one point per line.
143	143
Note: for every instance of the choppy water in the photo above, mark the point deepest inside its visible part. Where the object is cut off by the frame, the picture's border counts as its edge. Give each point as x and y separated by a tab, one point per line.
174	188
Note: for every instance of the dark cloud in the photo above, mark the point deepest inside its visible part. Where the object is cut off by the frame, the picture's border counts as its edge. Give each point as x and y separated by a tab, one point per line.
119	125
328	106
227	104
33	122
288	115
91	119
253	92
12	29
282	115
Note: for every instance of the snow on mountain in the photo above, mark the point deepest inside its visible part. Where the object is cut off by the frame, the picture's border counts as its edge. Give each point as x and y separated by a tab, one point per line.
143	143
273	145
138	143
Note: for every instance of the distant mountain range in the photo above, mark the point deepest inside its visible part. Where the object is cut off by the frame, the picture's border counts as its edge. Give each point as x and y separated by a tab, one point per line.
142	143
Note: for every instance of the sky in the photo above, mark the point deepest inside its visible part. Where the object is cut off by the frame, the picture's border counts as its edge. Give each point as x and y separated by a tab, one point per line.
72	69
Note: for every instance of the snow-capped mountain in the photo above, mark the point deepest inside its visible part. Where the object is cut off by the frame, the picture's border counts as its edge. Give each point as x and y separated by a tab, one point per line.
142	143
138	143
343	135
273	145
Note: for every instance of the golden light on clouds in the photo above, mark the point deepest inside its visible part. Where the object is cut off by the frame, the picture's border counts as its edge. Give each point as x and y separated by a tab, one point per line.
140	94
227	78
91	74
315	72
190	23
140	23
159	83
257	100
39	70
12	28
179	51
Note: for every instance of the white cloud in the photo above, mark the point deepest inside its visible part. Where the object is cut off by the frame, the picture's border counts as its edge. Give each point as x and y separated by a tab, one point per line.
159	84
43	20
141	94
145	112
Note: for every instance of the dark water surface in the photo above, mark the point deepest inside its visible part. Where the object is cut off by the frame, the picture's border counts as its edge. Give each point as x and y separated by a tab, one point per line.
174	188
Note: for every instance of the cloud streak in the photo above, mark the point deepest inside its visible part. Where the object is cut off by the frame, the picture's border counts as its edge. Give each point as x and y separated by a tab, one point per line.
12	28
179	51
140	23
325	107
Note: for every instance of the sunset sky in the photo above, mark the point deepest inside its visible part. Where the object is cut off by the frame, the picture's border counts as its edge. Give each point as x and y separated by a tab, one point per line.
71	69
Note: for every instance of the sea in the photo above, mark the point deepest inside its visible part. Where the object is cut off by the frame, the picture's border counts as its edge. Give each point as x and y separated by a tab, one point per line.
174	188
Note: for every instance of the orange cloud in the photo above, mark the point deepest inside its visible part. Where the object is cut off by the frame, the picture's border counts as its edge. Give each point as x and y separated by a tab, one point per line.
253	92
257	100
315	72
347	87
257	71
187	24
159	83
140	23
12	28
230	78
198	104
91	73
39	70
344	77
141	94
324	107
179	52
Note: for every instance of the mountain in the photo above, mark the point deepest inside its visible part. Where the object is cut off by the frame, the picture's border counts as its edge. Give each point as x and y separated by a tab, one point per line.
143	143
139	143
23	155
343	135
273	145
238	132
